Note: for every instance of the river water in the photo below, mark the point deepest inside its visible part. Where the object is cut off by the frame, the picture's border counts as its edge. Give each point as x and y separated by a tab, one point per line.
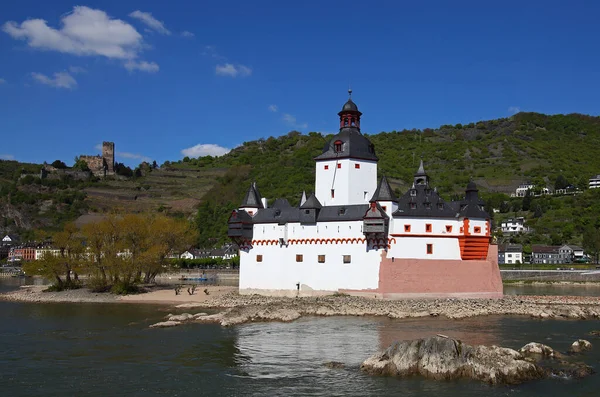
108	350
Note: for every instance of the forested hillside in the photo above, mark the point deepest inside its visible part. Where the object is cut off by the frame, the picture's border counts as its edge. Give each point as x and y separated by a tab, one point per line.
498	155
552	151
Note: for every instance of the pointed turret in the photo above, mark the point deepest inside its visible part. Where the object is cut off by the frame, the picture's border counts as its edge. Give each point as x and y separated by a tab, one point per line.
384	192
253	198
421	177
303	199
472	206
309	211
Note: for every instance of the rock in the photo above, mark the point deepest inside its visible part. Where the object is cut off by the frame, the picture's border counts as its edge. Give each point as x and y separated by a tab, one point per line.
189	305
446	358
334	365
165	324
539	349
200	315
179	317
594	333
580	345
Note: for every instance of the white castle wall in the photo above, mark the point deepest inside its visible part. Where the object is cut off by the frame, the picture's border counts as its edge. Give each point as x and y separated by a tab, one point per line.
351	185
279	270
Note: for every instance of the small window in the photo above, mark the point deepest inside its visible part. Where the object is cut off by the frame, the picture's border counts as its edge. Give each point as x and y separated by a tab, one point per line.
413	192
321	258
427	206
383	207
250	212
326	167
357	166
338	144
341	211
259	258
413	206
307	212
462	230
339	165
428	227
407	228
299	258
440	206
449	228
347	258
429	249
332	193
477	229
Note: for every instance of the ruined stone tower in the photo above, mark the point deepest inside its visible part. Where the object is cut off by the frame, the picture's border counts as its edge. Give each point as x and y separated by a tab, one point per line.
108	154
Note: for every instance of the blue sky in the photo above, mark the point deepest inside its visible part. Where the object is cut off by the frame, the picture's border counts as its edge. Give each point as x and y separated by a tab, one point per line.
167	78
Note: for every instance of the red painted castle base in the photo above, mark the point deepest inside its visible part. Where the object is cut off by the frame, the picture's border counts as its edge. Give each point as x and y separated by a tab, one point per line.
419	278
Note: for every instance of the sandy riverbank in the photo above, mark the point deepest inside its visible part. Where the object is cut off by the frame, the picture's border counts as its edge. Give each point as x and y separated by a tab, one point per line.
159	295
236	309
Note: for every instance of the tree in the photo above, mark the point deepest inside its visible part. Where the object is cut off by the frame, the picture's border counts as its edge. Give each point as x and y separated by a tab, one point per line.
561	182
154	165
58	164
538	211
80	165
591	242
527	201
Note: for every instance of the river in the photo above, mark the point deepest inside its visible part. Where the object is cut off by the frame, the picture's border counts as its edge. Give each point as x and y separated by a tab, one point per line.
108	349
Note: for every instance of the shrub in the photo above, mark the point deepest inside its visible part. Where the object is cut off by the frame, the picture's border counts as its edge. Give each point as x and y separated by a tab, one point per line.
122	288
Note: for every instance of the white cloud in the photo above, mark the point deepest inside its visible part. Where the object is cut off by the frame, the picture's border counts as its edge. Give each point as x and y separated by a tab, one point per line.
150	67
7	157
513	109
273	108
133	156
85	31
2	81
188	34
205	149
231	70
150	21
292	122
60	80
77	69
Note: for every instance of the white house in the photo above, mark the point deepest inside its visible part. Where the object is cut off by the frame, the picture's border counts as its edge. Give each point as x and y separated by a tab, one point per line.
510	254
514	225
354	235
594	182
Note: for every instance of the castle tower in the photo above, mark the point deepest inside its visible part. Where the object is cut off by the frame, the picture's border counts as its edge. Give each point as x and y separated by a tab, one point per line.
108	154
346	171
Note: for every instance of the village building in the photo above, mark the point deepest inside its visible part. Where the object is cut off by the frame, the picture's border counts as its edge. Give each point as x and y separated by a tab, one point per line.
594	182
353	235
514	226
510	254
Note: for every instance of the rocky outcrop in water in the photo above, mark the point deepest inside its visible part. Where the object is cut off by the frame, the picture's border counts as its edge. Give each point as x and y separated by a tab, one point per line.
443	358
580	345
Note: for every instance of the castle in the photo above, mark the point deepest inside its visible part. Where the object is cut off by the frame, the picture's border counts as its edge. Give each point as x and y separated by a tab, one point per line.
353	235
102	165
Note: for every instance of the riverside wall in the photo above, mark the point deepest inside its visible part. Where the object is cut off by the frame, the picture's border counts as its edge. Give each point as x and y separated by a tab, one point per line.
580	276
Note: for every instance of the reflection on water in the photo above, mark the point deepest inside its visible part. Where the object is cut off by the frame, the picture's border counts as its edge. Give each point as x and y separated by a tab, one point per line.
107	349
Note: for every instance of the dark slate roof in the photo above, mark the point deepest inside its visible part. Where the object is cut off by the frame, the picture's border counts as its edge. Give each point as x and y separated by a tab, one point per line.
384	192
240	216
427	203
510	248
350	106
376	212
311	202
281	203
544	249
355	212
355	145
253	198
326	214
472	206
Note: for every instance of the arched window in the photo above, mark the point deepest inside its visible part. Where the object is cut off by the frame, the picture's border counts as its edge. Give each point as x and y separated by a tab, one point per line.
345	121
352	121
337	146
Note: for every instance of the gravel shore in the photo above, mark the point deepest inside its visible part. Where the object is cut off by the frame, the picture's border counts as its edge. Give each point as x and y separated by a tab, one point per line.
236	309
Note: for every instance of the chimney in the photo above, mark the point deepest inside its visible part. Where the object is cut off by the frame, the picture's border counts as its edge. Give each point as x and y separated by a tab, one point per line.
264	202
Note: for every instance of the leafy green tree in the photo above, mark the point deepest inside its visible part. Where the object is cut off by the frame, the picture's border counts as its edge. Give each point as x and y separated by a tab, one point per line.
591	242
527	201
80	165
58	164
561	182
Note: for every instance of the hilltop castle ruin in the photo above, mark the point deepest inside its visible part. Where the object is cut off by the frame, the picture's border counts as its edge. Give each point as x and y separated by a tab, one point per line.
102	165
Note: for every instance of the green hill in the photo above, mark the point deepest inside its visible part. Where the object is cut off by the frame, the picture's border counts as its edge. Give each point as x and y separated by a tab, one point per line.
497	154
